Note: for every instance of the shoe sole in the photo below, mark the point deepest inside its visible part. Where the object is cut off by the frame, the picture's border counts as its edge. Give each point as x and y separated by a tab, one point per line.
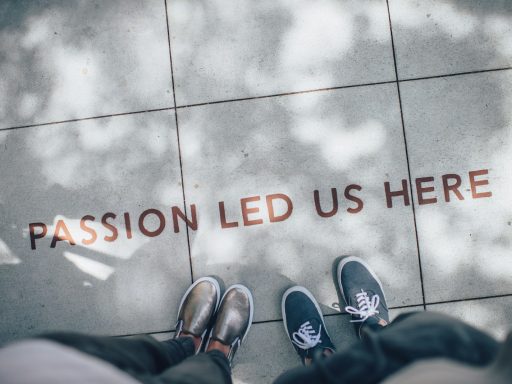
348	259
298	288
251	305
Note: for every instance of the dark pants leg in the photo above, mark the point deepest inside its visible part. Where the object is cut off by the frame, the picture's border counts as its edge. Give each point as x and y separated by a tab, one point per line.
409	338
205	368
151	361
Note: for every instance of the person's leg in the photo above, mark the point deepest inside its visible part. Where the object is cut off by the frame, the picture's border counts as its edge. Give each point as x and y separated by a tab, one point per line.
410	338
212	367
143	356
140	355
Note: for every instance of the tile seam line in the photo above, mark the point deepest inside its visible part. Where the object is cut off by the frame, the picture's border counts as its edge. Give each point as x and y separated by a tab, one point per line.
340	87
285	94
87	118
469	299
254	98
179	143
194	105
455	74
452	301
407	158
346	314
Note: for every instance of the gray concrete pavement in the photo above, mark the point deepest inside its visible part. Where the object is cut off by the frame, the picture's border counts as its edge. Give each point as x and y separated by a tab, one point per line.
402	110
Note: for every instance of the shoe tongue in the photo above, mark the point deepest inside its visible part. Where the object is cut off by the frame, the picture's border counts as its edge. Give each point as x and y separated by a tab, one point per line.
315	323
369	293
313	329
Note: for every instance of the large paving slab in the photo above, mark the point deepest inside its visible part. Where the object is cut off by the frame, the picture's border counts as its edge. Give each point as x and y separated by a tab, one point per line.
294	145
268	352
493	315
57	175
228	50
438	37
65	59
455	126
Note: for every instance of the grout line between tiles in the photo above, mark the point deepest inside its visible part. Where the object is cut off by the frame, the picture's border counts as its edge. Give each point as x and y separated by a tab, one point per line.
252	98
285	94
85	118
179	144
455	74
407	158
337	314
346	314
469	299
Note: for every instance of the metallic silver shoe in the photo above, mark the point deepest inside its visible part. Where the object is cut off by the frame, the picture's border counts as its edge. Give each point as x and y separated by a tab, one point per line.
234	318
198	307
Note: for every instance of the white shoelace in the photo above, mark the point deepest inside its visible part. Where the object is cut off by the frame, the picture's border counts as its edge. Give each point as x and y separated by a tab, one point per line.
366	307
305	337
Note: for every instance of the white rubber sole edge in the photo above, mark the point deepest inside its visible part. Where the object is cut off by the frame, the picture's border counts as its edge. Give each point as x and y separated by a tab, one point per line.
298	288
343	262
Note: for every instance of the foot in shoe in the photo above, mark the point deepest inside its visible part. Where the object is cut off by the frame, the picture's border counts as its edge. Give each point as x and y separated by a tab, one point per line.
233	321
362	291
304	325
197	309
217	345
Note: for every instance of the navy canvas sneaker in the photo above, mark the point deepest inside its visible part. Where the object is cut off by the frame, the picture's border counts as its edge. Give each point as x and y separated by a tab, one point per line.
362	292
304	324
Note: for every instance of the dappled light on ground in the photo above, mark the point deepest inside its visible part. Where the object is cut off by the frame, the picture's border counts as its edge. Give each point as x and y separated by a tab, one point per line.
275	100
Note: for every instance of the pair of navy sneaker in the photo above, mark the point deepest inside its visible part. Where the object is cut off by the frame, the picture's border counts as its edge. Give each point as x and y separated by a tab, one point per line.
362	292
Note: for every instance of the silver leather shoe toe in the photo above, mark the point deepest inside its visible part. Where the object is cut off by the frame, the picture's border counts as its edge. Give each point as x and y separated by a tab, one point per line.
234	318
197	308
